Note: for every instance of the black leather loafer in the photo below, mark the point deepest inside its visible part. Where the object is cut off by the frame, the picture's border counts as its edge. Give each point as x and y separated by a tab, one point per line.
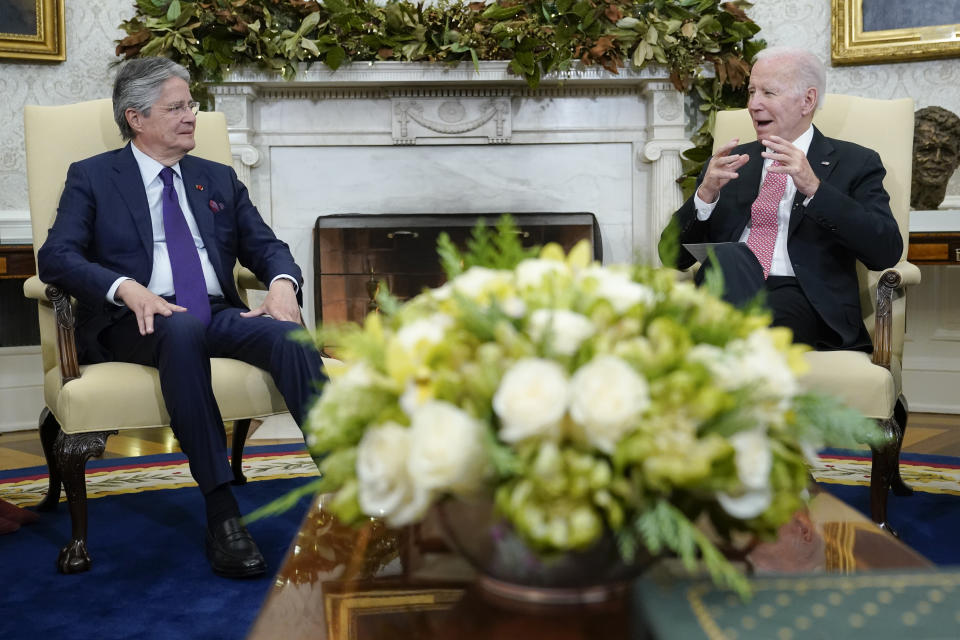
232	552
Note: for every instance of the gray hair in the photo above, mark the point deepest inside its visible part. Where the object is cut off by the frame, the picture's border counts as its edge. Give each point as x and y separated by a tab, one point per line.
138	85
807	69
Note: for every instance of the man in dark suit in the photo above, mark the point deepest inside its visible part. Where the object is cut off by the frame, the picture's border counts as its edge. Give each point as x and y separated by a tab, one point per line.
806	207
146	238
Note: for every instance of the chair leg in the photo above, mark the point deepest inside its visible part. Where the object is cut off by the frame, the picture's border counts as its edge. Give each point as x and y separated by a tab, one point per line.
72	452
240	430
900	413
886	461
49	429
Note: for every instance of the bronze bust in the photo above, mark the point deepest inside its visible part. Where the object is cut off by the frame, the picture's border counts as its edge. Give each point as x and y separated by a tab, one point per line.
936	155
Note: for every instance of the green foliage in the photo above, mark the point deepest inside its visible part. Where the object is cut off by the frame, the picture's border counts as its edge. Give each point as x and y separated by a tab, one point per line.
835	423
498	247
536	37
665	527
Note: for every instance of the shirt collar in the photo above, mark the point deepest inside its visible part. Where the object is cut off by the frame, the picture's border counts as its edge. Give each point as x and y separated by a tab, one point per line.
150	168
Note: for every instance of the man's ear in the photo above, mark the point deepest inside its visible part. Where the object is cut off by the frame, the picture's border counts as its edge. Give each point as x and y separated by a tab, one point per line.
134	119
809	101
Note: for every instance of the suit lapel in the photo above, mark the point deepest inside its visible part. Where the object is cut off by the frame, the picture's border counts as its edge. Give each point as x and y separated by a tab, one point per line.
820	156
199	192
748	185
129	185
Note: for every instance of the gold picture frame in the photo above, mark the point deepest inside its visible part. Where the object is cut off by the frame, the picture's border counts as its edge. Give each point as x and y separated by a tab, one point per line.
852	45
32	30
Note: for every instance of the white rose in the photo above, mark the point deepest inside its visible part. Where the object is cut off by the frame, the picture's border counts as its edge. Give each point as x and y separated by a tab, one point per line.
754	460
607	396
446	449
385	489
749	504
424	332
617	288
477	280
532	271
564	330
359	374
514	307
414	395
531	400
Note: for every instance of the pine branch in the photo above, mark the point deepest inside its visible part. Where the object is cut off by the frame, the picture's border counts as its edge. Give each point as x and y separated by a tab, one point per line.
666	527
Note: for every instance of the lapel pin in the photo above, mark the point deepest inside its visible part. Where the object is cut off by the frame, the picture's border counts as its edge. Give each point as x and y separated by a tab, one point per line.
198	187
825	163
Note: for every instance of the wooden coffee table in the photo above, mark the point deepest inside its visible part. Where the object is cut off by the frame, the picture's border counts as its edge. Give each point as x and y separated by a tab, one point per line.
337	583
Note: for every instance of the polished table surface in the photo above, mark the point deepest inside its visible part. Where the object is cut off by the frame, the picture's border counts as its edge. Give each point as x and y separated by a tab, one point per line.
339	583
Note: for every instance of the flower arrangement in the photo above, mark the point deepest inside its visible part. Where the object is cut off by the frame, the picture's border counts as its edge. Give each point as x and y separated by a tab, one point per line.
583	398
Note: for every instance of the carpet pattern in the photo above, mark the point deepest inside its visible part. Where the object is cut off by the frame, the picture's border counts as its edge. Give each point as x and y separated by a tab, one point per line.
926	473
114	476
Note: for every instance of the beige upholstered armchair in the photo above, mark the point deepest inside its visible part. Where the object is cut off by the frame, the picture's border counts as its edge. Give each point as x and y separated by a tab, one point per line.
86	404
871	384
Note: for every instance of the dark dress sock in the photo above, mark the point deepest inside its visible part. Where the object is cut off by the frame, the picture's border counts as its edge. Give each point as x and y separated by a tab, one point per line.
221	505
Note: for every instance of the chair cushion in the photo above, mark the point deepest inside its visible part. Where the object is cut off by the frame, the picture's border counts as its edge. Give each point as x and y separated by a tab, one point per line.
119	395
851	376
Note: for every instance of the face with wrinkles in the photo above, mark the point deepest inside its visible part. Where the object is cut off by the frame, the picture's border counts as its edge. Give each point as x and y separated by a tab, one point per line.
776	106
166	134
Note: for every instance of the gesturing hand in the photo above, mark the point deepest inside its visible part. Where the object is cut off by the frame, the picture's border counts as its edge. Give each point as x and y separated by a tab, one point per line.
145	304
280	303
793	162
721	170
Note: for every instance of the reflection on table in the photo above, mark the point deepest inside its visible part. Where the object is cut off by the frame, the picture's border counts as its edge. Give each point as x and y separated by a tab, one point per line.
342	583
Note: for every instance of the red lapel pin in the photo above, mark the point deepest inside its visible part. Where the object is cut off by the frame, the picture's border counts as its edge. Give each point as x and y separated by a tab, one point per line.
198	187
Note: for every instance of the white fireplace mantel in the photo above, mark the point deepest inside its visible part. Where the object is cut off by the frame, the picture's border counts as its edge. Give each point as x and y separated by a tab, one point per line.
392	137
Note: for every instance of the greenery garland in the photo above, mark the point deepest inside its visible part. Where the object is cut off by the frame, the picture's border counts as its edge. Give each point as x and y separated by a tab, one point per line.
537	37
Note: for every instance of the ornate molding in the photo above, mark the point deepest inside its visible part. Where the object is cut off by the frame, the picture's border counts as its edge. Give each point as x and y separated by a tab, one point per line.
653	150
247	154
454	118
381	74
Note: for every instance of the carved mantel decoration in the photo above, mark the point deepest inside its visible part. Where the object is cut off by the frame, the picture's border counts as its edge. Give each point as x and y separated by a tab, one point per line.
414	137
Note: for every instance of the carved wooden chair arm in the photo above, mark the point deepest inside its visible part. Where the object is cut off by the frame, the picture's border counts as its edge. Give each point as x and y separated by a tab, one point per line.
63	310
890	281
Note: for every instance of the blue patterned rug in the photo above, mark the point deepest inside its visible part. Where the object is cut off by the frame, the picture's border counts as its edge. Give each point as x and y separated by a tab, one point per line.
150	578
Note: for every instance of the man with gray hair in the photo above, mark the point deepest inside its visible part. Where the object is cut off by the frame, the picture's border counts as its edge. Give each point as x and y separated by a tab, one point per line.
146	238
796	209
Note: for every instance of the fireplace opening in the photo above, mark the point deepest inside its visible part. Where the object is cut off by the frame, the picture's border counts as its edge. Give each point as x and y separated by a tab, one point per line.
356	254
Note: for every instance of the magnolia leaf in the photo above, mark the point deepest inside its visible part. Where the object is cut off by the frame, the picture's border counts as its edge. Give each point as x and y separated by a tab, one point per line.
652	35
310	22
310	46
173	11
335	57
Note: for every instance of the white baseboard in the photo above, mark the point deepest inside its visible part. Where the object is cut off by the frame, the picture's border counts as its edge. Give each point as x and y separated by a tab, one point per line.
21	388
932	390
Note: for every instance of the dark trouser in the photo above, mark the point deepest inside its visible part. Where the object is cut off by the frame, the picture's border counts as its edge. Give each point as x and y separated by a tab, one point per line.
180	347
743	281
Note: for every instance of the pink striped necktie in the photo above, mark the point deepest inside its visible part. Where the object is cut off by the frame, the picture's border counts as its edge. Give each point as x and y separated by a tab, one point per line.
763	217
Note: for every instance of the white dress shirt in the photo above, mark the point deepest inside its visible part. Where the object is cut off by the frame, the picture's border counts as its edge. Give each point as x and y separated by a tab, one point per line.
161	277
780	265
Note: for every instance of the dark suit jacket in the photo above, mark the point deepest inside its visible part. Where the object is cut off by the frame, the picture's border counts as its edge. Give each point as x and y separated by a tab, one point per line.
103	231
849	219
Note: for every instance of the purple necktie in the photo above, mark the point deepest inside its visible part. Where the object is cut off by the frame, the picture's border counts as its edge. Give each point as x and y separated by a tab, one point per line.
188	283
